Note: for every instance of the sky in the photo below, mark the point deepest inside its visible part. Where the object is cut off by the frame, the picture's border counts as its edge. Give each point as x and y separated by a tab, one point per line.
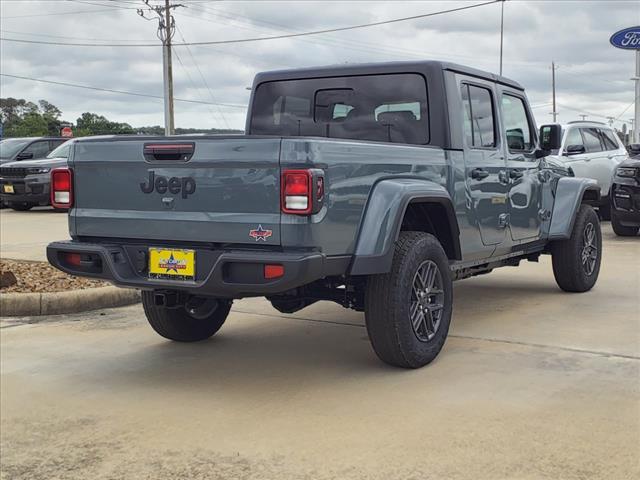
592	77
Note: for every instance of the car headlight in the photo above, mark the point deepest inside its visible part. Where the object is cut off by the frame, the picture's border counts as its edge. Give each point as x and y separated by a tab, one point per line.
36	170
625	172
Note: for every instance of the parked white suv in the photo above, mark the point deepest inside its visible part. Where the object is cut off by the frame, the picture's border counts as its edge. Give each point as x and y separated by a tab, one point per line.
593	150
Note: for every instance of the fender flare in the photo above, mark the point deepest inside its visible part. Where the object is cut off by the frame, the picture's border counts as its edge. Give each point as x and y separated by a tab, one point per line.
382	220
569	196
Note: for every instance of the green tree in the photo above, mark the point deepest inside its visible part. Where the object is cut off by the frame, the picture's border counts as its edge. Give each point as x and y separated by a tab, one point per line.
31	125
51	114
94	124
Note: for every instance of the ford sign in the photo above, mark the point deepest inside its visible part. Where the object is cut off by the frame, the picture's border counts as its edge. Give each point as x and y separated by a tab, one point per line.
629	38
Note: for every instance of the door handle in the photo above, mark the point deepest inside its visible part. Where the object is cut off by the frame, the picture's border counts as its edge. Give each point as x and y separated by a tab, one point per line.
515	174
479	173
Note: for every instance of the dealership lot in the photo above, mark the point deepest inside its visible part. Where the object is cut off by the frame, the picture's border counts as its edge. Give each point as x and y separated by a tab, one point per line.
532	383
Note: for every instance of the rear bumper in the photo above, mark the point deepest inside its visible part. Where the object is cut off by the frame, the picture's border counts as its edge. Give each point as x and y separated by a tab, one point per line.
222	273
31	189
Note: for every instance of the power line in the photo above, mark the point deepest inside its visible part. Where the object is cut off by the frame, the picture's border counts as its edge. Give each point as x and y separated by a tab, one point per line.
77	12
66	84
204	80
258	39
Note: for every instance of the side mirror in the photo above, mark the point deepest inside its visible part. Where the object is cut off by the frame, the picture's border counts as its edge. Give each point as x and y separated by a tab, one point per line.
550	137
24	156
575	149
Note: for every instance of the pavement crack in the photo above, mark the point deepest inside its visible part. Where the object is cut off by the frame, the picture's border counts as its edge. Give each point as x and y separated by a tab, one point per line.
465	337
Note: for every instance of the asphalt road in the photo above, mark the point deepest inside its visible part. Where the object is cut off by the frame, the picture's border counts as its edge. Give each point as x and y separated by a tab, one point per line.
533	383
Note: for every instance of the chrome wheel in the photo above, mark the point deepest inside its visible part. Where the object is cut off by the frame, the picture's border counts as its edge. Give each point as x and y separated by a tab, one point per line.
589	253
427	301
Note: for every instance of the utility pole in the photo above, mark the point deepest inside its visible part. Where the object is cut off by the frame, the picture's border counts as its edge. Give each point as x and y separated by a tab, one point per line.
502	32
553	89
611	120
166	30
584	117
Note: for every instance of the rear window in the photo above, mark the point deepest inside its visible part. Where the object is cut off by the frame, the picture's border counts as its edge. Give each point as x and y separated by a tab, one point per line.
385	108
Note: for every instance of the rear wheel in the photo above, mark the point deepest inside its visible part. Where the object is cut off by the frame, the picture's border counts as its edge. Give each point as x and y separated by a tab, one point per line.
620	229
408	310
198	319
576	260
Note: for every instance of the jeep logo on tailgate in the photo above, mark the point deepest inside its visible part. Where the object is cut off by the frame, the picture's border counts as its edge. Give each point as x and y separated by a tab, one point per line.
174	185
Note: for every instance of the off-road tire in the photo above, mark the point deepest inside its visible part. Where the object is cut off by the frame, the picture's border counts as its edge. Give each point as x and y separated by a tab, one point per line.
388	303
22	207
570	272
176	323
620	229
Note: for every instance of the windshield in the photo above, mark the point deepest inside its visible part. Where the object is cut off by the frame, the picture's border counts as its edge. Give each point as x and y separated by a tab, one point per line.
385	108
11	146
62	151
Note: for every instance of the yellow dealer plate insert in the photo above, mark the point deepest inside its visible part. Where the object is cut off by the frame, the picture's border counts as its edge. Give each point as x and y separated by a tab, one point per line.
172	264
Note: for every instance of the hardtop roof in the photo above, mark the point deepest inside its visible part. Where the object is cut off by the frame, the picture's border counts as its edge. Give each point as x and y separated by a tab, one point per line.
426	67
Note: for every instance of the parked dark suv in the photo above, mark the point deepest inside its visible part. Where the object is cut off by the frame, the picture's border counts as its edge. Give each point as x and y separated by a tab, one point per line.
29	148
25	184
625	198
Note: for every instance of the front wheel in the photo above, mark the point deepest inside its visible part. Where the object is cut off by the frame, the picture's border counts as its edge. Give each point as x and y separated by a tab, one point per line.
408	310
197	320
576	260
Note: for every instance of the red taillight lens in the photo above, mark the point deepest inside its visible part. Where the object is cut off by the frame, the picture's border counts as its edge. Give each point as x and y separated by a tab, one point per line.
73	259
273	271
61	188
296	192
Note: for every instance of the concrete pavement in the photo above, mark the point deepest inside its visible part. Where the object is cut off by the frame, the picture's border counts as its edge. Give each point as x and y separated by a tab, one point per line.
533	383
25	235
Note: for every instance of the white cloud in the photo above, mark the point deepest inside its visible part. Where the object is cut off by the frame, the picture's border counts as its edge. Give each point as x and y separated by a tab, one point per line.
592	75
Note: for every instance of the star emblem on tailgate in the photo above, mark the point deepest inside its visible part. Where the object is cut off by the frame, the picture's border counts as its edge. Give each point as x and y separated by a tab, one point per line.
260	234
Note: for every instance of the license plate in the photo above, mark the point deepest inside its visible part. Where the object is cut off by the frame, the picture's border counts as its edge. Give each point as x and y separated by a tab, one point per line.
7	188
173	264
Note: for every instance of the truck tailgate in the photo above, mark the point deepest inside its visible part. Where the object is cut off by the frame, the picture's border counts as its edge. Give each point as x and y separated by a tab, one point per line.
226	192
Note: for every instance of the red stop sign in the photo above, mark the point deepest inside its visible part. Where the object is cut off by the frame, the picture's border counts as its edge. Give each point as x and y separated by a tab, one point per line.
66	132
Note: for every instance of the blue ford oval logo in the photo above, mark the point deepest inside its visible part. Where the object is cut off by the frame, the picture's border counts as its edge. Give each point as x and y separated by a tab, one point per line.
629	38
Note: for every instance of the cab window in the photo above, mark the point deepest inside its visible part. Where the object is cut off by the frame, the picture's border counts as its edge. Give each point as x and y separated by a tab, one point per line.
478	116
384	108
574	139
516	121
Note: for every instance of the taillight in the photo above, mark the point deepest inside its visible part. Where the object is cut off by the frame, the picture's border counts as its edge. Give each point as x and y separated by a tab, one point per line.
61	188
297	192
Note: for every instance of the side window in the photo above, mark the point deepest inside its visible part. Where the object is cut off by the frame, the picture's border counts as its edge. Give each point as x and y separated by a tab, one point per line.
478	116
38	149
591	140
574	138
516	122
53	144
608	137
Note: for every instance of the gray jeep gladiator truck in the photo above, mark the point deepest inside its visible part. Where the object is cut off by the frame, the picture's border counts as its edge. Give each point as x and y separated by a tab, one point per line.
374	186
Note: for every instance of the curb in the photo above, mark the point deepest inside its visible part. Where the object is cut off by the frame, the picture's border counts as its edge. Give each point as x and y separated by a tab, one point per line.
74	301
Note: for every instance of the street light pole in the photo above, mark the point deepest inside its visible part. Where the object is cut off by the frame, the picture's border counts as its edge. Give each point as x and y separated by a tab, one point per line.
502	33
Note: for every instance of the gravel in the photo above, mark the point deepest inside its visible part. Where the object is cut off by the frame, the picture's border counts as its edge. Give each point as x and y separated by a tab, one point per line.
40	277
